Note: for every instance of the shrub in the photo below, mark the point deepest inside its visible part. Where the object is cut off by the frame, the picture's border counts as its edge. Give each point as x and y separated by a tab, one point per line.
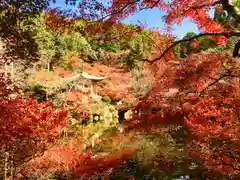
75	42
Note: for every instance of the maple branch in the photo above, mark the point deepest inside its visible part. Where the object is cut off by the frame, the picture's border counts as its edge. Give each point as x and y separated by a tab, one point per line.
128	4
215	82
226	34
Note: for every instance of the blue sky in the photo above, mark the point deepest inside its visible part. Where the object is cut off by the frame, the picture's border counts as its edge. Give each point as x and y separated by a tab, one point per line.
151	17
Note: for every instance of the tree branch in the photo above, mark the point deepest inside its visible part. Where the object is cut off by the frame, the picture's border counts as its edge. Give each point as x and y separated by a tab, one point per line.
226	34
215	82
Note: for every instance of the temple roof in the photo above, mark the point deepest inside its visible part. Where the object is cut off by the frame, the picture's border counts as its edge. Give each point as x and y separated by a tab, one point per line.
92	77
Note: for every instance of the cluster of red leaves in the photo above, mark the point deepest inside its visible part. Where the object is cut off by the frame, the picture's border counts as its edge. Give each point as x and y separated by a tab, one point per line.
193	73
27	126
57	21
215	129
212	117
201	69
177	10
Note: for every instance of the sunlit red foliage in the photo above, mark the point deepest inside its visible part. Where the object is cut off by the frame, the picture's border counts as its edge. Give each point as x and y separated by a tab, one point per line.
192	73
214	125
28	127
215	129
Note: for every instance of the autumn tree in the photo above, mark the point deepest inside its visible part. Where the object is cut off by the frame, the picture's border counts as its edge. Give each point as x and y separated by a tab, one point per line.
27	129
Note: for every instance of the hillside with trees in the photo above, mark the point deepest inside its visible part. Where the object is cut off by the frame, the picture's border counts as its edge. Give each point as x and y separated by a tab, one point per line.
85	96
